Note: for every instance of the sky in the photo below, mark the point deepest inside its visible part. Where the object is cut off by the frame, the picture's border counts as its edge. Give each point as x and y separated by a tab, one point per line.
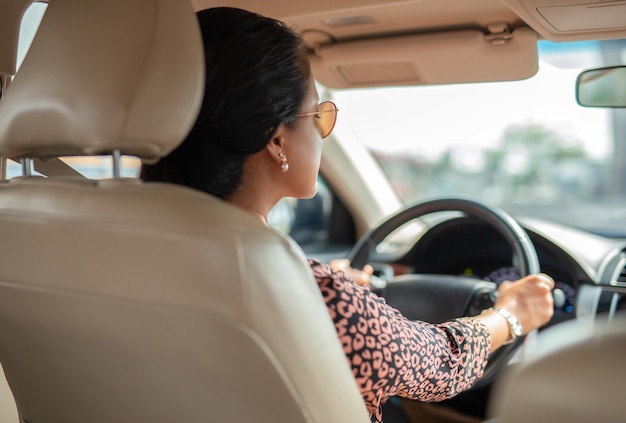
428	120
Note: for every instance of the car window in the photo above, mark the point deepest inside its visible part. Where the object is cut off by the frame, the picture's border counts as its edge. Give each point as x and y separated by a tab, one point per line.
28	28
320	225
525	146
30	23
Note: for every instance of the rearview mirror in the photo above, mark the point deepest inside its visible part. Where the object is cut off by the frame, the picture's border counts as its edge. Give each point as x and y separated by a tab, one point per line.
602	87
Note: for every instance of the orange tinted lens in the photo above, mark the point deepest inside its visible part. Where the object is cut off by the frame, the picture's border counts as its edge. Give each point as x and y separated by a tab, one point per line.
326	118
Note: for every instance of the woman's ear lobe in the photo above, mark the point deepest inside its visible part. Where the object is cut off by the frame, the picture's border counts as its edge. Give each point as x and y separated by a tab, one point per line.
277	143
276	149
279	137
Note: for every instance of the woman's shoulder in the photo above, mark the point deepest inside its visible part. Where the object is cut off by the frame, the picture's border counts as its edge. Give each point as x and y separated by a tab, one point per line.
336	281
323	271
318	265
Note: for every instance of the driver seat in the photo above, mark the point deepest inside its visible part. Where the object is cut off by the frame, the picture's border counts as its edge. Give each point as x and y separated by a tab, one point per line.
122	301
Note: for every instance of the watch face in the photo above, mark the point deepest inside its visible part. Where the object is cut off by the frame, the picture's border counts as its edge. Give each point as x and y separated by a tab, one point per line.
514	324
516	328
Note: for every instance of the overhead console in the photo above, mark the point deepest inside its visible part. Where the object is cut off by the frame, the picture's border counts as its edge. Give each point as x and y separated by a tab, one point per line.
570	20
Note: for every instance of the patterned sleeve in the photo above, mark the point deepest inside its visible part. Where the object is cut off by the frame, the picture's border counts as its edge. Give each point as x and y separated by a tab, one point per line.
390	355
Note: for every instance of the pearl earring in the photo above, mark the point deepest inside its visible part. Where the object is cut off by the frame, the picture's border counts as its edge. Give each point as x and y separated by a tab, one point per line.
284	166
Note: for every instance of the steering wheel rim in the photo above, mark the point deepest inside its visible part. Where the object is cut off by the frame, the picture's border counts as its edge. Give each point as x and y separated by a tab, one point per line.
525	258
514	234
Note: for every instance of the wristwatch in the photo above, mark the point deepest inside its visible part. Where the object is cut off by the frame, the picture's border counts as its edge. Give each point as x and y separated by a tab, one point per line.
515	327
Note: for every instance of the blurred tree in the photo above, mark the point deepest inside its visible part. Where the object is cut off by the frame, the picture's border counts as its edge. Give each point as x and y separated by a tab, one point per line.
527	159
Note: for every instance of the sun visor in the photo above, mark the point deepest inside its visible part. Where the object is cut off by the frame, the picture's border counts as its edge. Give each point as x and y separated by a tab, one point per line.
441	58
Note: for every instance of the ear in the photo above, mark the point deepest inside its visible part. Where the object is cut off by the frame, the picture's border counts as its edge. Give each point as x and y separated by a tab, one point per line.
277	144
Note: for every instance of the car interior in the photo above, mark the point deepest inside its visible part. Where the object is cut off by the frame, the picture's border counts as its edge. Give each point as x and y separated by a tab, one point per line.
129	301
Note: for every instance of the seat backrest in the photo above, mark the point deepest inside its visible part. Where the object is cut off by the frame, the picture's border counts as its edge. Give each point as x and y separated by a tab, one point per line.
129	302
575	374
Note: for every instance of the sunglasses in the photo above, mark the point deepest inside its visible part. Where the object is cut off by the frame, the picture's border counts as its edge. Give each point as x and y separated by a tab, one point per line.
326	116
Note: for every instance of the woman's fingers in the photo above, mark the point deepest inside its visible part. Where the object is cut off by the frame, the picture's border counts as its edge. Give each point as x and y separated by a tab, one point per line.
360	277
529	299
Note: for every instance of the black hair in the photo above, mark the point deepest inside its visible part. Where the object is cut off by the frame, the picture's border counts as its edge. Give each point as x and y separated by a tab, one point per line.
257	75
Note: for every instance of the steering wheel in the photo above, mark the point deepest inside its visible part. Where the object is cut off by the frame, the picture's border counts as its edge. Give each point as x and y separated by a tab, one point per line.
444	297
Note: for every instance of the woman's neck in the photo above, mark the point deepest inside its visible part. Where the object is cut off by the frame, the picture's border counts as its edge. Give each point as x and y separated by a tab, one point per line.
252	205
258	214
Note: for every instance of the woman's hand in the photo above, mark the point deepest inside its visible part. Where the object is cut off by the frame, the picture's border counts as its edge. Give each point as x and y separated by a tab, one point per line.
529	299
360	277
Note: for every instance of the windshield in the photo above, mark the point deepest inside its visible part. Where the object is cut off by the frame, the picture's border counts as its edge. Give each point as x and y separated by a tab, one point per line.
525	146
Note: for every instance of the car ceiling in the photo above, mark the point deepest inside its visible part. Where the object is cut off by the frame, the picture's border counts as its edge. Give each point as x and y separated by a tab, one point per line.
361	43
349	19
556	20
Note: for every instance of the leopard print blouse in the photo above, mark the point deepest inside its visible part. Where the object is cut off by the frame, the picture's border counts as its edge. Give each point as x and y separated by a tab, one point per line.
392	356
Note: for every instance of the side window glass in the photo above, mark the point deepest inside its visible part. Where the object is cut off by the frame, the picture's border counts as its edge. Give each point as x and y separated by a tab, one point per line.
320	225
28	29
310	218
303	220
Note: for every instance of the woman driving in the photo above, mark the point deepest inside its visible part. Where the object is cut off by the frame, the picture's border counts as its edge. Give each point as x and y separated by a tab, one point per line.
257	139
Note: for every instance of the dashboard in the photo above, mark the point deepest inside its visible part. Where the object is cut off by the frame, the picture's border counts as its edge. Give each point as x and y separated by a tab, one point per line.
586	268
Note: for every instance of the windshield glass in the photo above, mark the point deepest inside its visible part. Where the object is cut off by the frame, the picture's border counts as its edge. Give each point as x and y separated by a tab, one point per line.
525	146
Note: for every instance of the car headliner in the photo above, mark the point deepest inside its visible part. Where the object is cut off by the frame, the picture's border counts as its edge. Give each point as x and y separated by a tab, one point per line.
380	43
339	24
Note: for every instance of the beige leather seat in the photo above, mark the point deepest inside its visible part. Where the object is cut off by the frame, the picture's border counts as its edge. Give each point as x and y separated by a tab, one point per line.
130	302
576	374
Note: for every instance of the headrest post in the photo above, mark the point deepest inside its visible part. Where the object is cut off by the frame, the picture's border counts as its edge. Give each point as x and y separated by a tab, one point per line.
5	80
3	168
117	164
4	83
27	166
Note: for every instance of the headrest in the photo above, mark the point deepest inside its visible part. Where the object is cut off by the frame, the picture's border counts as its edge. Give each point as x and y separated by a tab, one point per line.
105	75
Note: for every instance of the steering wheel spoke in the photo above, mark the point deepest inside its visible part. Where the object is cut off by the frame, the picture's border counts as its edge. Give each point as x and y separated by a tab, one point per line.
438	298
